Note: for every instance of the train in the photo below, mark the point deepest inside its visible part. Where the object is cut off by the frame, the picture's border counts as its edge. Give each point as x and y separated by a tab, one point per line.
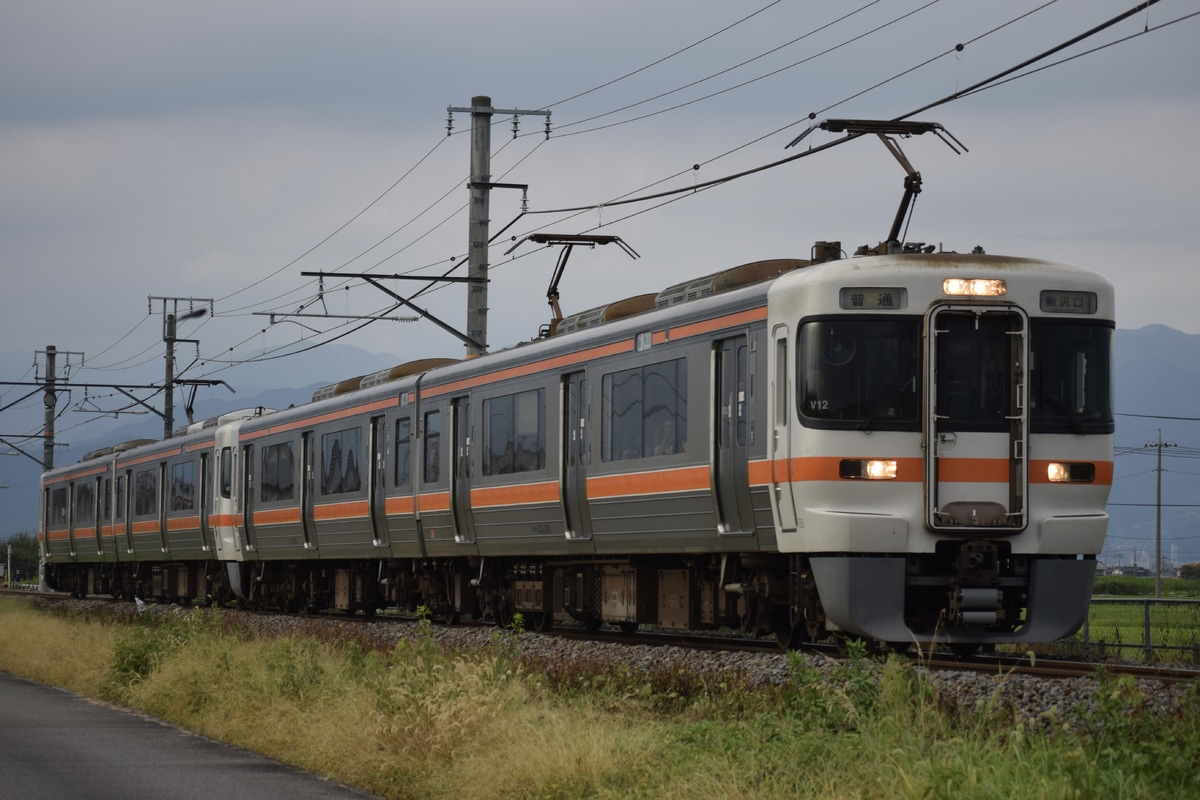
903	445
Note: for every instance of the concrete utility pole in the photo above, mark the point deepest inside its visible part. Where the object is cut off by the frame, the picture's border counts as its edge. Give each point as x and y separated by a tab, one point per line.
50	386
51	401
170	319
1159	444
480	185
169	377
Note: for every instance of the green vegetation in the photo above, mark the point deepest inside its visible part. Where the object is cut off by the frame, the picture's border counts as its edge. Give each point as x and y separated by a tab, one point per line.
414	721
1127	586
24	558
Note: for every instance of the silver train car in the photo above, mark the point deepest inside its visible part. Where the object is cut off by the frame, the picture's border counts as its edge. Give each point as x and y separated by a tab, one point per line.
912	447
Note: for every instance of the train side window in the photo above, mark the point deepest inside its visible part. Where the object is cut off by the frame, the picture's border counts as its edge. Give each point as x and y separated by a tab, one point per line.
226	472
58	506
644	411
342	451
433	441
183	486
514	433
106	511
278	479
403	471
145	492
85	503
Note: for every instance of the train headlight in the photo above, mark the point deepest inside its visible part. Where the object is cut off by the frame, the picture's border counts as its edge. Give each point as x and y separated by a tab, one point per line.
867	469
974	287
1066	472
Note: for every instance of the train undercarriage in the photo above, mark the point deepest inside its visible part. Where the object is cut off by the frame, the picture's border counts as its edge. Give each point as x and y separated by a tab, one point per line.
966	591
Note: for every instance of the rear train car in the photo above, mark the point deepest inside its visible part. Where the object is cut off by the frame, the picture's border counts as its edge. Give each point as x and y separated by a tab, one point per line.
907	447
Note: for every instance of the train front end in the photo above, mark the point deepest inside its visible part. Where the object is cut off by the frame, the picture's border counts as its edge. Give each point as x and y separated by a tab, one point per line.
942	449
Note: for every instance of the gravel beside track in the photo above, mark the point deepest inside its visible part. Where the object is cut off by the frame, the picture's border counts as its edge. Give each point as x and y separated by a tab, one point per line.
1027	698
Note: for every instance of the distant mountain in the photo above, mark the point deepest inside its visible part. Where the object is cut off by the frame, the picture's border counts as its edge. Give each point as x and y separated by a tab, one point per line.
1157	377
1157	373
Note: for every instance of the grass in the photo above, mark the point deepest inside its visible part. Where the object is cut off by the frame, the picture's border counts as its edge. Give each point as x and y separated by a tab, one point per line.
413	721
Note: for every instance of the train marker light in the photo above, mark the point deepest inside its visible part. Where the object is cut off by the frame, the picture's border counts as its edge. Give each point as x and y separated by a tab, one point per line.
868	469
1063	472
974	287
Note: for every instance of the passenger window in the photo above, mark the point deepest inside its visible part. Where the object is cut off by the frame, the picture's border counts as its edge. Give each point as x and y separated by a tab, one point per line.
58	506
278	473
85	504
120	510
433	441
342	451
403	470
145	492
644	411
514	433
183	486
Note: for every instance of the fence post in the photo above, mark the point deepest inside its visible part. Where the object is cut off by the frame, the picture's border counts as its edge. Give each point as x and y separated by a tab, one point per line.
1149	649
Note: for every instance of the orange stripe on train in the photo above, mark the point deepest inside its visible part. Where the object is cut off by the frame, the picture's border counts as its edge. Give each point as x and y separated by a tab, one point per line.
640	483
517	494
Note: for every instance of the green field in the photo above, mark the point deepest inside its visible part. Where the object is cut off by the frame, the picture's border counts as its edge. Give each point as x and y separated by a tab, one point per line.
414	721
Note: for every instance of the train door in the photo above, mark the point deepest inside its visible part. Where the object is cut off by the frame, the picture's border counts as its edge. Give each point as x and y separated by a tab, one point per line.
460	479
575	457
206	537
377	488
781	431
97	514
248	537
731	450
977	411
122	513
72	502
307	521
163	507
106	514
225	539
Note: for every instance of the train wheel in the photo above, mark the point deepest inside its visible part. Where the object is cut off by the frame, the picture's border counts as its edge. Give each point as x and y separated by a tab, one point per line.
964	649
790	632
628	628
539	621
790	637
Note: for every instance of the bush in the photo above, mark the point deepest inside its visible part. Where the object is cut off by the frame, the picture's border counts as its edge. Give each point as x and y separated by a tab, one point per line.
1128	586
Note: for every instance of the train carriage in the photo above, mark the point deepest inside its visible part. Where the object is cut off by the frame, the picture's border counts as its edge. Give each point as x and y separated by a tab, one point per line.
912	446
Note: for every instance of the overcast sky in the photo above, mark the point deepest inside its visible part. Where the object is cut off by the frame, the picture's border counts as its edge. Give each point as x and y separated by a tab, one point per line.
218	149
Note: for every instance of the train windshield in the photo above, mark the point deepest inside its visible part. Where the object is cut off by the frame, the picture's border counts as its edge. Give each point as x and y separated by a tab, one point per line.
1070	377
861	373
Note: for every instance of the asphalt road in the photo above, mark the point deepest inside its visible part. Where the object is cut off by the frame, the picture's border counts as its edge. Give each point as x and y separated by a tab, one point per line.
57	745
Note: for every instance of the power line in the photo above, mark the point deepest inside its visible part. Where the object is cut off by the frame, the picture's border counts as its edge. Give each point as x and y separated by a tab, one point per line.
672	55
812	151
737	66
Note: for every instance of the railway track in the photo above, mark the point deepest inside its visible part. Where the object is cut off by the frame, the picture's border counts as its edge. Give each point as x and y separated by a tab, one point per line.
936	660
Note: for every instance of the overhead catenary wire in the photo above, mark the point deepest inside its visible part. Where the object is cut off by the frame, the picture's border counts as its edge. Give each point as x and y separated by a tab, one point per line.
738	66
690	189
813	150
376	200
666	58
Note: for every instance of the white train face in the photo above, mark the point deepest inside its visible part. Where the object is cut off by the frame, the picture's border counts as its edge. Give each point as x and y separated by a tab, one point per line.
951	408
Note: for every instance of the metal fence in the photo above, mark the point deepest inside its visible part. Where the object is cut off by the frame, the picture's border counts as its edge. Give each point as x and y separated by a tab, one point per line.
1151	628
